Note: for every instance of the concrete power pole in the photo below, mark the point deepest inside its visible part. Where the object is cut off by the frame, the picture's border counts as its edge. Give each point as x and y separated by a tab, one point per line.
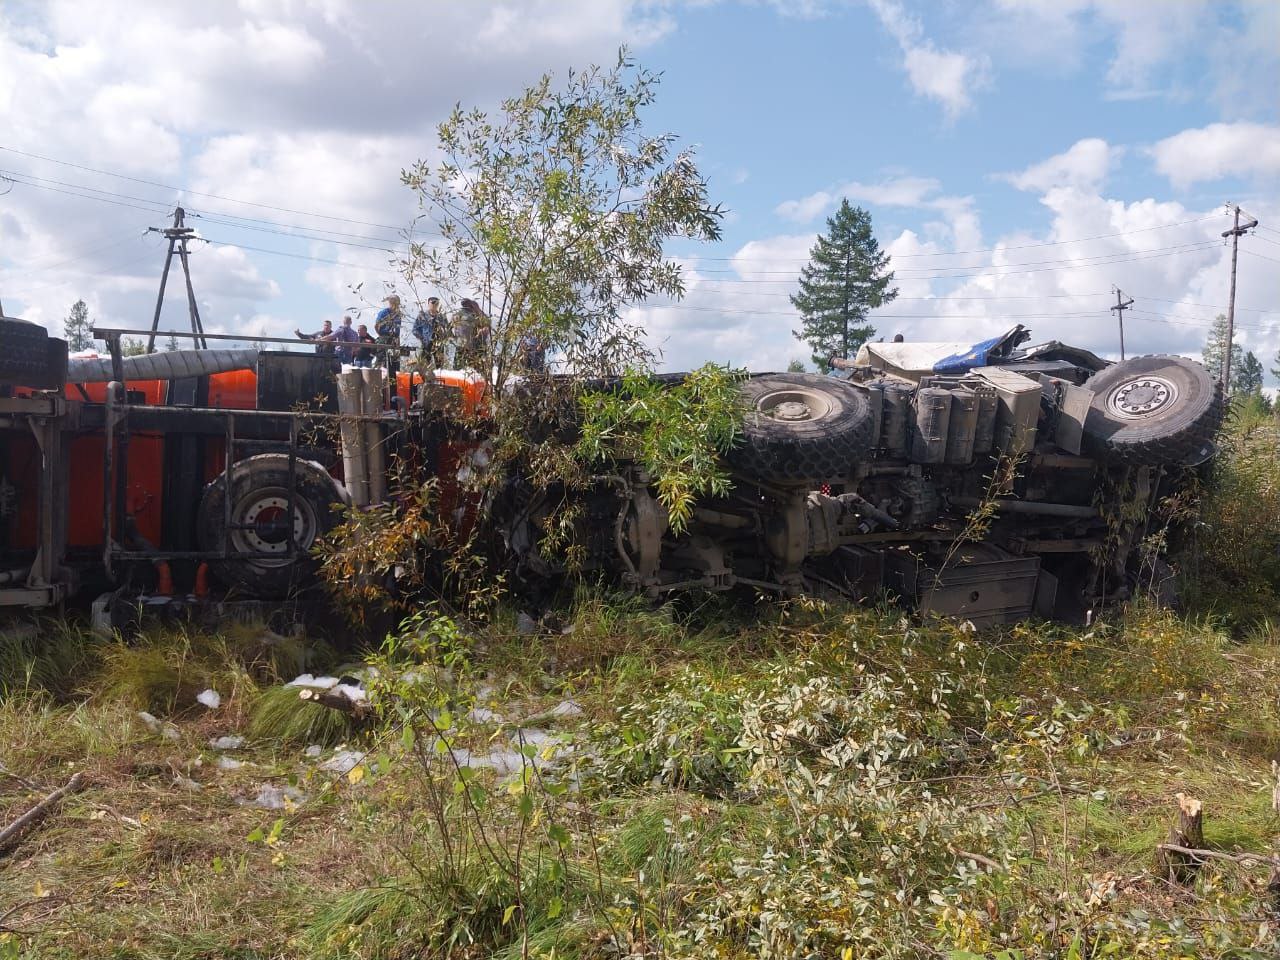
1234	233
1119	308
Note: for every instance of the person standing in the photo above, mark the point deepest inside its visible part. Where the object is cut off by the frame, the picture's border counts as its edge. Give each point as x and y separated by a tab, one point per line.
324	345
428	328
387	326
472	332
343	338
364	356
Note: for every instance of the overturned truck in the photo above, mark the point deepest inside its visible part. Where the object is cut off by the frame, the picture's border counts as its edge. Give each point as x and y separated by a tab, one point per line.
989	481
986	481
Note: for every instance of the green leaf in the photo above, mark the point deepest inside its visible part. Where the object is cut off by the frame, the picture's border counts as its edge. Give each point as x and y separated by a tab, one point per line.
558	834
407	738
256	835
508	913
554	908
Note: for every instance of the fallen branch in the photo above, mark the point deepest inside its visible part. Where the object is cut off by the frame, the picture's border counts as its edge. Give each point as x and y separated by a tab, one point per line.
12	833
978	858
356	709
1199	853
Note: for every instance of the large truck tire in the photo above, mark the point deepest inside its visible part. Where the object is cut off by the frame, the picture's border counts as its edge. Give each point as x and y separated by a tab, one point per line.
802	428
259	492
29	357
1154	410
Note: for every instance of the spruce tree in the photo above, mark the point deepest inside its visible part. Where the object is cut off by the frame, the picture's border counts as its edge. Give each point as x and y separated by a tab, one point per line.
1215	350
172	343
847	276
76	328
1246	379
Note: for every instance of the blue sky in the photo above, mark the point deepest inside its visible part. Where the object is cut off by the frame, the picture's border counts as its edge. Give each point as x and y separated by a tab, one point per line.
1018	156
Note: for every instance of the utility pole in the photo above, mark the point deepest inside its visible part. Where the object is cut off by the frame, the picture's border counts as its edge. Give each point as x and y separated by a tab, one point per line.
1119	309
177	235
1234	233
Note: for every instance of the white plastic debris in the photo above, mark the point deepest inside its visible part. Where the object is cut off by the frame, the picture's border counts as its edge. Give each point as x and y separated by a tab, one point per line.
166	730
229	763
210	698
566	708
271	797
344	761
227	743
313	751
307	680
351	692
484	715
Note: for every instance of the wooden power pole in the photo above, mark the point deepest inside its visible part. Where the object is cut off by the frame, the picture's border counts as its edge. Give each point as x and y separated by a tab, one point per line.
1234	233
177	235
1119	309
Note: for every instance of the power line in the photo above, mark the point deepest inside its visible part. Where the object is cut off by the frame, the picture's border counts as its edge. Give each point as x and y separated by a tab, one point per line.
333	218
960	253
195	193
1260	256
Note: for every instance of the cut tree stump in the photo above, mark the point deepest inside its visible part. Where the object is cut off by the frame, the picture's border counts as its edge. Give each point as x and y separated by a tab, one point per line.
356	709
1187	832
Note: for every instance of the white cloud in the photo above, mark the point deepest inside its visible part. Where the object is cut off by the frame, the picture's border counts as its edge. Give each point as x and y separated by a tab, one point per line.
806	208
1085	165
946	76
1217	151
1058	281
306	104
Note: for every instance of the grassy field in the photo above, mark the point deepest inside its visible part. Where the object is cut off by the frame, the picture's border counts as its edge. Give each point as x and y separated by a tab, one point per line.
777	780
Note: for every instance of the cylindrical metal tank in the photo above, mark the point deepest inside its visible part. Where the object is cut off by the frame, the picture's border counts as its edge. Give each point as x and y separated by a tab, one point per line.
984	434
897	413
875	398
962	427
929	428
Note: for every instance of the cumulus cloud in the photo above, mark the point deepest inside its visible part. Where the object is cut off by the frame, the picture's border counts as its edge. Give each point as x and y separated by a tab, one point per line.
310	105
1084	165
945	76
1217	151
1058	281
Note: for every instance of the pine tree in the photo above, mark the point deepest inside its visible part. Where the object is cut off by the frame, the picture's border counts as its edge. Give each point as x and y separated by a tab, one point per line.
133	347
76	328
847	276
172	343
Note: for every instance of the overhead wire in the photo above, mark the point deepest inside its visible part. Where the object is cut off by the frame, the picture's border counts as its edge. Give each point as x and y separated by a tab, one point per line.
195	193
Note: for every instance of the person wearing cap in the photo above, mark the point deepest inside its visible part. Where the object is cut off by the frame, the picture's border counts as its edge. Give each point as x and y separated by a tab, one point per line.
387	326
322	338
428	326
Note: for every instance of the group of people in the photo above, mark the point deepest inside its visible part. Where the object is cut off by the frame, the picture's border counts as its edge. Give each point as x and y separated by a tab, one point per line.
461	340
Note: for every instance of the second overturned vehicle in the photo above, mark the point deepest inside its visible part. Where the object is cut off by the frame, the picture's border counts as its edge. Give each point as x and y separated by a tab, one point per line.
990	481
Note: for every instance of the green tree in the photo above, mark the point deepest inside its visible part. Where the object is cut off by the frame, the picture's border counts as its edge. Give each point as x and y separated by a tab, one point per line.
553	213
1246	369
133	347
76	327
795	366
847	276
1246	377
172	343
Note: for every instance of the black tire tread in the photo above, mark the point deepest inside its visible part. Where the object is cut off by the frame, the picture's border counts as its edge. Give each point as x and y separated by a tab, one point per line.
1178	447
771	455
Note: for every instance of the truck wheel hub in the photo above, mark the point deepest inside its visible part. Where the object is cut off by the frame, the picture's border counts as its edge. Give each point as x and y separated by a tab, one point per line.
1142	396
793	406
264	529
